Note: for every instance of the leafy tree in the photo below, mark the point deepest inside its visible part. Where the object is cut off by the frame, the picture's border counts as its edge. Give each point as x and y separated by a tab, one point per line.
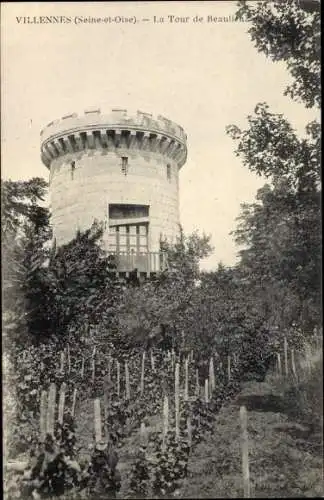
47	291
166	299
289	32
280	232
20	202
81	289
25	233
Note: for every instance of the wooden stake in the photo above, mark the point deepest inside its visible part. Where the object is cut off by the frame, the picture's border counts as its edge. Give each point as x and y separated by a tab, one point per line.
143	435
206	390
279	364
165	421
186	395
245	452
61	403
118	378
189	430
172	358
97	420
176	400
143	373
68	358
62	363
127	391
152	361
229	367
212	384
293	365
197	384
42	418
286	356
50	418
107	384
94	366
74	402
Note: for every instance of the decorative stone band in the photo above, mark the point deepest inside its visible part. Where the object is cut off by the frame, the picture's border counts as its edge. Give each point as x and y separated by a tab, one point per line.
113	132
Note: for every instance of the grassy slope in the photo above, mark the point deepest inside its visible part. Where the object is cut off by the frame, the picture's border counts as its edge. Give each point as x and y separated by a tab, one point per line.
285	451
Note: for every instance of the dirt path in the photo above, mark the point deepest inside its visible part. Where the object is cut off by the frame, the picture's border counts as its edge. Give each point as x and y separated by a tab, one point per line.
285	457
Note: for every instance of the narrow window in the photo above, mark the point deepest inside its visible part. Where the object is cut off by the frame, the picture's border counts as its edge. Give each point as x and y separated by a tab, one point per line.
124	165
169	172
72	169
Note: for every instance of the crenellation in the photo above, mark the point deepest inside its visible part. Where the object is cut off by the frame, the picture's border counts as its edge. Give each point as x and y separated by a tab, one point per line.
117	117
72	115
89	111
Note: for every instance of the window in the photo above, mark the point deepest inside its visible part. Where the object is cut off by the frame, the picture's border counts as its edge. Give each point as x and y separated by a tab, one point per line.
124	164
129	238
169	172
127	211
72	169
128	228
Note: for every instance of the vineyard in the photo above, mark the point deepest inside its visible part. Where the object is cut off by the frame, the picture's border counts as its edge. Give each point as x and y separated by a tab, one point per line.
137	387
157	405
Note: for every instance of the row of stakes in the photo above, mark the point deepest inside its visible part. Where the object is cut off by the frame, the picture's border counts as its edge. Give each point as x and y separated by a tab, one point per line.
47	423
208	388
48	402
47	418
170	356
285	367
48	399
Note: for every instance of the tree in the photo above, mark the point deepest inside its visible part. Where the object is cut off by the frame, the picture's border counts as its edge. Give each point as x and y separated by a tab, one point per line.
280	232
20	202
25	233
49	292
166	299
289	32
80	288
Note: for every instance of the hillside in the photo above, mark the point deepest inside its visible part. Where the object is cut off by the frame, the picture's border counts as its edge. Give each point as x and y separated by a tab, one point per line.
286	447
285	438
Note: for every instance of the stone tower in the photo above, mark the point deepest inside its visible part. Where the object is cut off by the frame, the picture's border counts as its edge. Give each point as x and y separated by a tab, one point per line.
119	168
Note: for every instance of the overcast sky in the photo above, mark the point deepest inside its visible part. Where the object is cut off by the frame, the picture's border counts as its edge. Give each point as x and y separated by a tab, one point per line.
203	76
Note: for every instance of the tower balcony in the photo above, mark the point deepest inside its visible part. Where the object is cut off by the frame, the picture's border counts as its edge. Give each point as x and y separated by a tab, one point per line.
143	263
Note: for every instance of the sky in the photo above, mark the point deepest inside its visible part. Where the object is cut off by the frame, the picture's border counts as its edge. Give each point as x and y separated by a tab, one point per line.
203	75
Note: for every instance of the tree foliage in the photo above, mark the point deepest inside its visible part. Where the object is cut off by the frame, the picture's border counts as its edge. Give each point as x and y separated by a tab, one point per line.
289	32
162	303
47	291
20	202
280	231
25	234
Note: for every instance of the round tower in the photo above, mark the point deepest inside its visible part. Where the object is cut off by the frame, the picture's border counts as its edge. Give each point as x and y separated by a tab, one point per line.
119	168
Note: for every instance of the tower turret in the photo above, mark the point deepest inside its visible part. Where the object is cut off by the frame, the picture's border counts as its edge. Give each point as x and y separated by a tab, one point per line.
119	168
